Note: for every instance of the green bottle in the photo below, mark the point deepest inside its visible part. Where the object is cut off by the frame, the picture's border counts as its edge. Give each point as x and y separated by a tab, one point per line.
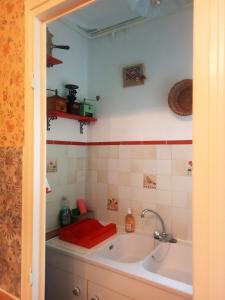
65	213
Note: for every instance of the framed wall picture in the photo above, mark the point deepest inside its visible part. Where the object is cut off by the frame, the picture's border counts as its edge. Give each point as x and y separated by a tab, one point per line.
133	75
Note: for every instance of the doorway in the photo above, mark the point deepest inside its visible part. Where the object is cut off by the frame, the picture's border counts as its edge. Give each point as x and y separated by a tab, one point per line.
200	166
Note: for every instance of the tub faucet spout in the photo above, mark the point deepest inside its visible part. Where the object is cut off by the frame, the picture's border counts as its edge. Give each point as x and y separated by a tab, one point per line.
162	236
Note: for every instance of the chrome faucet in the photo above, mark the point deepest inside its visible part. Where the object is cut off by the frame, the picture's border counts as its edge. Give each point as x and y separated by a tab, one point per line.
161	236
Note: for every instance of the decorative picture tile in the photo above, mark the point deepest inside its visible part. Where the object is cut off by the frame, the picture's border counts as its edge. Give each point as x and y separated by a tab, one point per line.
189	168
52	165
149	181
112	204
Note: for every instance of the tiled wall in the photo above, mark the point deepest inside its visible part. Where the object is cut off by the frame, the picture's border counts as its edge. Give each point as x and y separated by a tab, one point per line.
99	173
69	180
118	172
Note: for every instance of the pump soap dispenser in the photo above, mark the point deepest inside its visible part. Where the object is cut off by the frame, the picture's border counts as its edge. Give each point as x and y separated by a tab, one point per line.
129	221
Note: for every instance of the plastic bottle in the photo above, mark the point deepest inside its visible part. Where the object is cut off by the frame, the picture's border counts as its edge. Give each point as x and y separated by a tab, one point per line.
65	213
129	221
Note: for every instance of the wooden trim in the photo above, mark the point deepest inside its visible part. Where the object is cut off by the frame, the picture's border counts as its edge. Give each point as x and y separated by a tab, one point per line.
42	165
54	9
209	150
28	158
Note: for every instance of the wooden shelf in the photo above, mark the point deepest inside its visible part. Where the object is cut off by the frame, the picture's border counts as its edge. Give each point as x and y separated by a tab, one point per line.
51	61
54	115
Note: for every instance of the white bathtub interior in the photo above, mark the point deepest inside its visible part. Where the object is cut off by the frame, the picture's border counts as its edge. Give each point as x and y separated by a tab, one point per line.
171	260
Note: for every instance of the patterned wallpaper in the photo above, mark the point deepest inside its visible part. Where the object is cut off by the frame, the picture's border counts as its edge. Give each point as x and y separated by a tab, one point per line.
11	72
10	218
12	59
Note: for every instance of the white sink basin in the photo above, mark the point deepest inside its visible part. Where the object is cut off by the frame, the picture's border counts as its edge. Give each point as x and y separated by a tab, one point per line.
127	248
171	260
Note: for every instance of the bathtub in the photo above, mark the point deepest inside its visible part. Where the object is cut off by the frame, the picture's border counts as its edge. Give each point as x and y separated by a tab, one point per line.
173	261
158	270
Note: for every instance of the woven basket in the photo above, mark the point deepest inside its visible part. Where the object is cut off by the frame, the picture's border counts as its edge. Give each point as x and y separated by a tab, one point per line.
180	98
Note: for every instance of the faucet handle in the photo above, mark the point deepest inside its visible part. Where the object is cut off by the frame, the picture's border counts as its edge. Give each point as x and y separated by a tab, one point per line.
157	235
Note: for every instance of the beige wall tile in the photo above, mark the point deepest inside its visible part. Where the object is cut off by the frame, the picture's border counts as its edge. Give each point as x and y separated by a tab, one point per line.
136	180
102	177
113	164
103	151
81	164
113	152
56	151
137	165
72	176
164	198
164	182
163	167
179	168
163	152
101	190
101	164
181	223
92	152
149	196
182	152
124	165
92	164
124	178
124	204
112	191
181	199
143	152
124	192
136	193
182	183
91	177
113	177
149	166
124	151
81	176
76	151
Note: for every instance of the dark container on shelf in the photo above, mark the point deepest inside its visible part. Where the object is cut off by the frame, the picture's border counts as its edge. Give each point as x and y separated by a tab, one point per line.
73	108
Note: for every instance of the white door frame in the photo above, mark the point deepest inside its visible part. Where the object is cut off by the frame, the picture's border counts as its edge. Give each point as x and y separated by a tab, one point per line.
208	145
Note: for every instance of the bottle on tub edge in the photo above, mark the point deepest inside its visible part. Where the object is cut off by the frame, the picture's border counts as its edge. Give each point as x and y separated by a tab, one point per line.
129	221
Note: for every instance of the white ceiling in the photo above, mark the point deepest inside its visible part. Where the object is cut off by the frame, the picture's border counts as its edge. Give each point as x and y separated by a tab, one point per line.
105	14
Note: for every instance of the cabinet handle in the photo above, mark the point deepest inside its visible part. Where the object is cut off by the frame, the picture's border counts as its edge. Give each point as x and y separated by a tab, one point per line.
76	291
95	298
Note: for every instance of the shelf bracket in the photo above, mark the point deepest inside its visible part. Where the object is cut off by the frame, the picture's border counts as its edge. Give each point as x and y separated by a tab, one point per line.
49	119
82	123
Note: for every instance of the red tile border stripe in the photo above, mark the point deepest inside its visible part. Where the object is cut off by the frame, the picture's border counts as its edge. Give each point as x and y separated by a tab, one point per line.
179	142
160	142
55	142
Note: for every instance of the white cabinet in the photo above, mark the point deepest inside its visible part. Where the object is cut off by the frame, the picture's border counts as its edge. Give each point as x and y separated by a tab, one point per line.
97	292
62	285
69	277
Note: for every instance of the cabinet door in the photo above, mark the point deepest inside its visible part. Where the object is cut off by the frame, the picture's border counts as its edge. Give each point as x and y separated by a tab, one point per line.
97	292
61	285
